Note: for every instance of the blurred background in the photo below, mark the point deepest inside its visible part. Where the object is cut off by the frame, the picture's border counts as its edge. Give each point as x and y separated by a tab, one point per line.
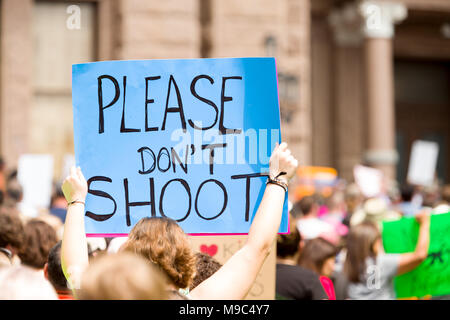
359	81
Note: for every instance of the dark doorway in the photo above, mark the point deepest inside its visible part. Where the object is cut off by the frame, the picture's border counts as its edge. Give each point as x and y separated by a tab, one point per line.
422	110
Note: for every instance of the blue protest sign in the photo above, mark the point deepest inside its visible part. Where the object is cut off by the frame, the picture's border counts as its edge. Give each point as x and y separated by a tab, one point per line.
186	139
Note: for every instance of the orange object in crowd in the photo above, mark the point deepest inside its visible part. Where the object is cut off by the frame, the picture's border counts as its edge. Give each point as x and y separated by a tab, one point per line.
313	179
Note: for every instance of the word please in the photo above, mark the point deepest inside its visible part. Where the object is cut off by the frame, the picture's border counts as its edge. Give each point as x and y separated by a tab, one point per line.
219	115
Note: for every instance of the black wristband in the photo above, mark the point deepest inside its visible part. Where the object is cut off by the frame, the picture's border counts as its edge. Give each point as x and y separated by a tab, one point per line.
278	183
75	201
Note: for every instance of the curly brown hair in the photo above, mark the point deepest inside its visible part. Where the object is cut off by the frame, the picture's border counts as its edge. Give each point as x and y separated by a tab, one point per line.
39	240
206	267
162	241
11	229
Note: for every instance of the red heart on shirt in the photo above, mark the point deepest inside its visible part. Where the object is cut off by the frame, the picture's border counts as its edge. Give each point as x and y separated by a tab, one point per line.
211	250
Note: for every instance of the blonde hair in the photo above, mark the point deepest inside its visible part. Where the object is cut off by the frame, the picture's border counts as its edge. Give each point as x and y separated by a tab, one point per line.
163	242
24	283
122	276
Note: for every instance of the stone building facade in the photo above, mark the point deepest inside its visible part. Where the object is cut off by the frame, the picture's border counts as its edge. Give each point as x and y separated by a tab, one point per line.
358	80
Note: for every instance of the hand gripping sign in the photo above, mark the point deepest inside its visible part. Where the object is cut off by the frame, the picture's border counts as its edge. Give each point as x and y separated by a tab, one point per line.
184	139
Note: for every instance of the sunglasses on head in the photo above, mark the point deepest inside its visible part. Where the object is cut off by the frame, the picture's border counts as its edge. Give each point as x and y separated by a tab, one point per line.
7	253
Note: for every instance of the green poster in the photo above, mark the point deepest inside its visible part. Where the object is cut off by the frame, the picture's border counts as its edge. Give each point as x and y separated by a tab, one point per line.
432	277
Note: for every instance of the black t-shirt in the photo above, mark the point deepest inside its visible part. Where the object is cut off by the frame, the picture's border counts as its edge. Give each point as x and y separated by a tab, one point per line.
297	283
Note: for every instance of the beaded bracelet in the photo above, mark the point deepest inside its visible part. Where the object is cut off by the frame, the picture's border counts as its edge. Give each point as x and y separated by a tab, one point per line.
278	182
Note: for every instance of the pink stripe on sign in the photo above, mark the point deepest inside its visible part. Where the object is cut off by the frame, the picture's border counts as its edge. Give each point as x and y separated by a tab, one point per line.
106	235
115	235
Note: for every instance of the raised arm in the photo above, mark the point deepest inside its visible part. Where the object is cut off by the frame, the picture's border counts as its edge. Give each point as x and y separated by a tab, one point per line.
410	261
235	278
74	252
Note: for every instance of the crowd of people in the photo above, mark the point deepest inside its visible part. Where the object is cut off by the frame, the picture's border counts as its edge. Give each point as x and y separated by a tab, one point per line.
333	247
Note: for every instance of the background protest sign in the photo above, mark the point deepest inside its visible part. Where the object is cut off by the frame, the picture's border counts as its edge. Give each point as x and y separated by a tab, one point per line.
369	180
222	248
422	162
432	277
35	175
187	139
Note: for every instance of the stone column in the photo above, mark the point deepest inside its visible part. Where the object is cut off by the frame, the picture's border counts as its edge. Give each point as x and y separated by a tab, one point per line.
348	84
16	77
378	29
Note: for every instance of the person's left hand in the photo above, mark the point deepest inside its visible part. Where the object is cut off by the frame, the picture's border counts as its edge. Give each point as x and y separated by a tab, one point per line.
423	216
282	160
75	186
